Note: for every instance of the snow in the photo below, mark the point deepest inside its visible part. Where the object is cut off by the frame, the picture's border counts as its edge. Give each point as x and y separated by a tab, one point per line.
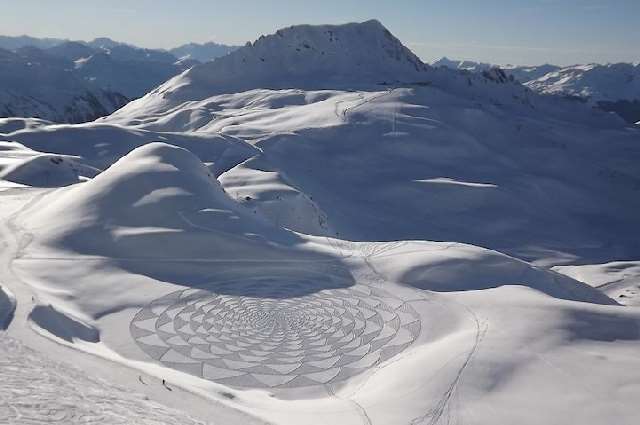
611	87
520	201
263	244
28	167
620	280
36	389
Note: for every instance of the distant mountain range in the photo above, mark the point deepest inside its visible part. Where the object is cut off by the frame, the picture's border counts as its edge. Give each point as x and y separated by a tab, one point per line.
612	87
77	81
34	83
204	52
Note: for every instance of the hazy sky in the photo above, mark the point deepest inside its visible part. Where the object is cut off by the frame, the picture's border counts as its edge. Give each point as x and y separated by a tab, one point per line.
497	31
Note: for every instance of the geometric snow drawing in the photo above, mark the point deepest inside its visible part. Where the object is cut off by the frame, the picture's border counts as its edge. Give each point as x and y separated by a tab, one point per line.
262	338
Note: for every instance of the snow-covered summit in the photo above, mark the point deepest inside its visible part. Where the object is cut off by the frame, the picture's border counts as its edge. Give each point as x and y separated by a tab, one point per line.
323	56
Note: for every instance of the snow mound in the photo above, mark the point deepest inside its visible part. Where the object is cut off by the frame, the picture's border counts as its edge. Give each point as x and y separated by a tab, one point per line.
448	267
42	171
153	176
268	193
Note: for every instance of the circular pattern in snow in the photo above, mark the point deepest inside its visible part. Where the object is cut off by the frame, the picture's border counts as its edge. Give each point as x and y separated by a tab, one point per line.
274	336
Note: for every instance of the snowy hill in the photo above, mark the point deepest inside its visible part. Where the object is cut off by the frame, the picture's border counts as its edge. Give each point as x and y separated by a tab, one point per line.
612	87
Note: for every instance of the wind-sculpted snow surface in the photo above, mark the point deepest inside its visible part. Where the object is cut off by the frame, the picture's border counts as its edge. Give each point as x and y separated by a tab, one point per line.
100	145
269	333
207	294
35	390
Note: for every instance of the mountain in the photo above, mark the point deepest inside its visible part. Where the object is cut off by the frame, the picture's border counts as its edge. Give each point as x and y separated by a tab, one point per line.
612	87
77	81
462	65
520	73
303	56
97	77
205	52
16	42
115	66
36	84
71	50
104	43
525	74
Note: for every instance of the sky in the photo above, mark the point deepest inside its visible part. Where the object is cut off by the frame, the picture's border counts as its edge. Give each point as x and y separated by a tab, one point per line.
522	32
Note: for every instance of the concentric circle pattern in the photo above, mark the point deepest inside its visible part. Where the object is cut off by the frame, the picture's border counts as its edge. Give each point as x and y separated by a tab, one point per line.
270	336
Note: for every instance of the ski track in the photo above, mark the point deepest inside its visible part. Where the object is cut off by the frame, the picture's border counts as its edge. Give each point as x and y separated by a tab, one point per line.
442	409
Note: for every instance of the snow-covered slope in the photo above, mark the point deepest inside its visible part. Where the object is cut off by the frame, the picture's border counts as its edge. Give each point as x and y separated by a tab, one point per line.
184	255
612	87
